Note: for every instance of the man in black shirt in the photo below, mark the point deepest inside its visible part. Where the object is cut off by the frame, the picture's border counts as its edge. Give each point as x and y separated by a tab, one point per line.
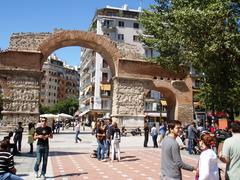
42	134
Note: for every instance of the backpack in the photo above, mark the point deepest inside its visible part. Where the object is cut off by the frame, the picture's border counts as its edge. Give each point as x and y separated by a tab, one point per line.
117	137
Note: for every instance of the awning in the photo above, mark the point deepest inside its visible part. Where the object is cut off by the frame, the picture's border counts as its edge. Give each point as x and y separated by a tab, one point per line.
152	114
106	87
163	102
87	89
84	112
155	114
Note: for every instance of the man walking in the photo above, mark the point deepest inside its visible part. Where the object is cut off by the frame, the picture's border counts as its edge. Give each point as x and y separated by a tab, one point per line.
171	161
192	132
77	132
146	134
231	154
42	134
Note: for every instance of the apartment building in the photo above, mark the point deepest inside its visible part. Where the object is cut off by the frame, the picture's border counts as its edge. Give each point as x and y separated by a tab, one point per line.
60	81
120	25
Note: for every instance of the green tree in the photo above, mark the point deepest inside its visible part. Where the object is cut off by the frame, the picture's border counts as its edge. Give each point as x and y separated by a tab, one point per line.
67	106
203	34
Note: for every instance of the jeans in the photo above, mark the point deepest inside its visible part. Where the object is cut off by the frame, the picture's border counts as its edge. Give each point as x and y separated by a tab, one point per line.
154	138
100	150
190	146
145	139
76	137
115	148
9	176
42	153
107	146
18	142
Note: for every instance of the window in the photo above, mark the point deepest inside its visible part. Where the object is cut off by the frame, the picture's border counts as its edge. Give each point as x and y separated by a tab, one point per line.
104	77
120	36
108	23
135	25
135	38
121	23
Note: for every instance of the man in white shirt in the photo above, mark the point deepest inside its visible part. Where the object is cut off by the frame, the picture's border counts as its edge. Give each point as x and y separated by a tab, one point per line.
154	134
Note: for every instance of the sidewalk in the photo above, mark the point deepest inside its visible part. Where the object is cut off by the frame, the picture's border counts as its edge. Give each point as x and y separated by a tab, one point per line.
63	147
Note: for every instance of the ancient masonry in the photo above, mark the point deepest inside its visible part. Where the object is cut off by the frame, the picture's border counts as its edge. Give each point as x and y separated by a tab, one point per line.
20	75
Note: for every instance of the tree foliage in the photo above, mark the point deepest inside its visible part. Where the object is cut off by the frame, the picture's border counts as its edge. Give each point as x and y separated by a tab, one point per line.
68	106
203	34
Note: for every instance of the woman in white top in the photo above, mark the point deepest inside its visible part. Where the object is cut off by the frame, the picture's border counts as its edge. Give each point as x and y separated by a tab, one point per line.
208	162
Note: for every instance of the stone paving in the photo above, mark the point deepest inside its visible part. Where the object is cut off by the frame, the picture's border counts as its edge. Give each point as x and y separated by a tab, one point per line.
69	160
134	164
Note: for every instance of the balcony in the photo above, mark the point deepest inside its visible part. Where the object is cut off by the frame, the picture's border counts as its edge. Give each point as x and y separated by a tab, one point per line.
86	108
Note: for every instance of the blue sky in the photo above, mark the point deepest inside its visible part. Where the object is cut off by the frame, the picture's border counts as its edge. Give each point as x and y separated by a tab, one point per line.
45	15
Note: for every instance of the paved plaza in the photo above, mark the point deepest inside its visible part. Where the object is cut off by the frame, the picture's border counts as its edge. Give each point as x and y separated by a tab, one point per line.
69	160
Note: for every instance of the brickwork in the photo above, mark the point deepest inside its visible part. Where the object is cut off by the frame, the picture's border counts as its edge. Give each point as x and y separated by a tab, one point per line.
132	75
27	41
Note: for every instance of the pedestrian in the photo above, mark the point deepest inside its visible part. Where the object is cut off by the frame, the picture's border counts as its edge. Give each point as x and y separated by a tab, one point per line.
101	137
208	161
171	161
58	125
146	134
77	132
154	134
31	131
115	141
108	139
42	134
18	136
162	131
7	169
192	132
93	126
231	154
83	124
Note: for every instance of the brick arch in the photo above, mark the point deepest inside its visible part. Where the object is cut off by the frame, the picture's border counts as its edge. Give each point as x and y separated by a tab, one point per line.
100	44
179	99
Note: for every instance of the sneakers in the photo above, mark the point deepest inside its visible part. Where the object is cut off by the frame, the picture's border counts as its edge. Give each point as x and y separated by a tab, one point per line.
36	174
104	160
43	177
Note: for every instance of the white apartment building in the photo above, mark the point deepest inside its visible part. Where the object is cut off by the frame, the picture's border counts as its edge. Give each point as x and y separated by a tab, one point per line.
120	25
60	81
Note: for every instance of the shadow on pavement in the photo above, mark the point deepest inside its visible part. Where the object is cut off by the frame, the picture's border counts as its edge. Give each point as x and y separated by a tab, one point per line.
67	175
63	153
22	175
33	155
129	158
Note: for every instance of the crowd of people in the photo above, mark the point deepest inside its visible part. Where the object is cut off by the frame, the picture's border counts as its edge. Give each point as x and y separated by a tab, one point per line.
170	136
108	137
196	139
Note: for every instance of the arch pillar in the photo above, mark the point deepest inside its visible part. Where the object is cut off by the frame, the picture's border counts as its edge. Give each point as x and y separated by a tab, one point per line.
128	102
20	96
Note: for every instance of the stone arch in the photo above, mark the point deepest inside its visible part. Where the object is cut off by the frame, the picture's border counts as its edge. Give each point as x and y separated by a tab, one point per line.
100	44
178	96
